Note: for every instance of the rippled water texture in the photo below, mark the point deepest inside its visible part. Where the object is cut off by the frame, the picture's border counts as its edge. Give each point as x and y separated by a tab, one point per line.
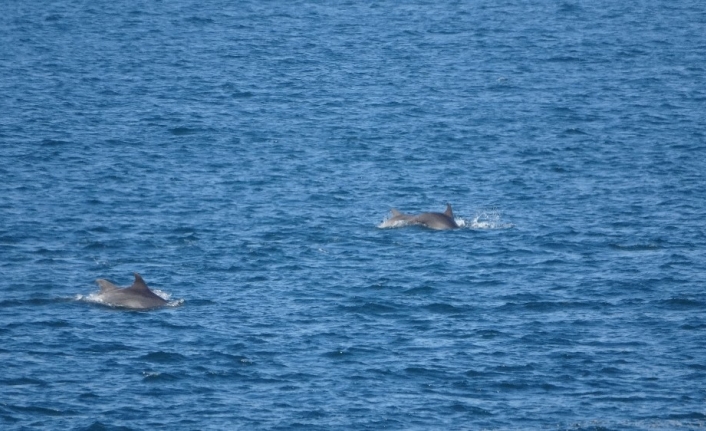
241	156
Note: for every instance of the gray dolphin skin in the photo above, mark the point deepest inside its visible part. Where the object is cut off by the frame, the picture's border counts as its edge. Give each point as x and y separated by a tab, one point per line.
437	221
136	297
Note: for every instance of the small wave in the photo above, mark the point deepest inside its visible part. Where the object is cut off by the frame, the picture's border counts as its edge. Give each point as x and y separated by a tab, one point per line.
23	381
163	357
371	308
682	302
181	131
424	290
8	303
442	308
105	347
636	247
41	411
154	376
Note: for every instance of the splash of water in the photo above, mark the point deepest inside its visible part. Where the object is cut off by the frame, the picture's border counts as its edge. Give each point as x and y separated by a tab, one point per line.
387	224
485	219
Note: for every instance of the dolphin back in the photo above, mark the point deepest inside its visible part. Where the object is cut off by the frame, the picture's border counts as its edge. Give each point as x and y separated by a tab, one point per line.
138	296
436	221
105	285
439	221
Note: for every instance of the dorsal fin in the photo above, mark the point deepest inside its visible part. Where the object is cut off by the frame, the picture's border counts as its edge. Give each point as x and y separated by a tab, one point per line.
105	285
449	212
139	284
395	213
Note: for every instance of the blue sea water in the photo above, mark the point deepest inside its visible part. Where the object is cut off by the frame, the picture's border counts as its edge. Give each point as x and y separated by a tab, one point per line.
241	156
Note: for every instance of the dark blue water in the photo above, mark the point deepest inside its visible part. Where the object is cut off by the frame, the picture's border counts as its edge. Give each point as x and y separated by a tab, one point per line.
241	155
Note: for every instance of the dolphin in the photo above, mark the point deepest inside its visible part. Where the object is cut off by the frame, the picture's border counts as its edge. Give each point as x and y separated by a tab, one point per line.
137	297
438	221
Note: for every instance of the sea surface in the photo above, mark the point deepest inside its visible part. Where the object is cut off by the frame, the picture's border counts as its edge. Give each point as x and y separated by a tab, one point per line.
241	156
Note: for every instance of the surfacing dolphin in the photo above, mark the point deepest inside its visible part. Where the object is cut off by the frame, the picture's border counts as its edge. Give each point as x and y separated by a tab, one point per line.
438	221
137	297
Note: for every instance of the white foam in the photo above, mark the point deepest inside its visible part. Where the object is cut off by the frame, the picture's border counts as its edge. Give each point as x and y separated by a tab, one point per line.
487	219
388	224
168	297
93	297
175	303
162	294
